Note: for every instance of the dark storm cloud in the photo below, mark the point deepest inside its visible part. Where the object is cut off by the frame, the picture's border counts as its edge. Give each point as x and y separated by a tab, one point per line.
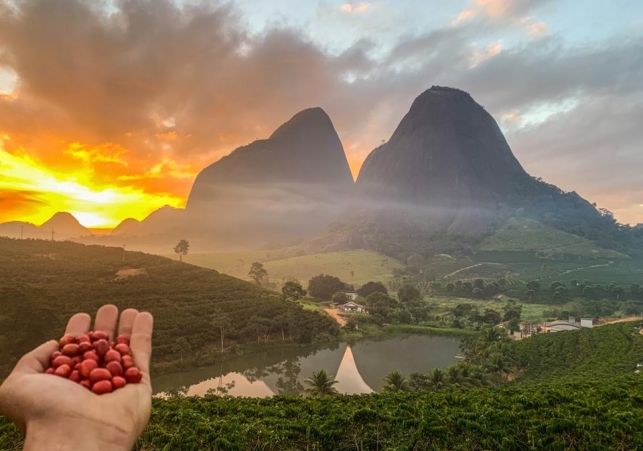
190	84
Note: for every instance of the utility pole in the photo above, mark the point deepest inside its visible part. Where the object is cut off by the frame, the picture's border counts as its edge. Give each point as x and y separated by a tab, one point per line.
53	232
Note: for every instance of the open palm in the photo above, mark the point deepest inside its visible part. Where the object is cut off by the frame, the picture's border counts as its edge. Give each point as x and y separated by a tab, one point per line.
46	406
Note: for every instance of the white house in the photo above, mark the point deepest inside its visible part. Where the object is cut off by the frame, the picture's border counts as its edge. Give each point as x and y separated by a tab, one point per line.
586	323
351	307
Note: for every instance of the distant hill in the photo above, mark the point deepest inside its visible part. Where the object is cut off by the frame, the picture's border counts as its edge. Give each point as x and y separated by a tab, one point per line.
523	234
64	225
128	227
42	283
290	185
19	229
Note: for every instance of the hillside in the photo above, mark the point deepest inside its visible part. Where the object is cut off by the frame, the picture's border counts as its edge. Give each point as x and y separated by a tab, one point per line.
354	267
524	234
586	355
42	283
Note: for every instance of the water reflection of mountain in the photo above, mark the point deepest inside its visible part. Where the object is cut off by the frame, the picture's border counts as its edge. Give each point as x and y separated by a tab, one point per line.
359	369
260	365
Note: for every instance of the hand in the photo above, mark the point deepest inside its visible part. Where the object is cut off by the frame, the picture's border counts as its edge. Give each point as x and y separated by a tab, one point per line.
58	414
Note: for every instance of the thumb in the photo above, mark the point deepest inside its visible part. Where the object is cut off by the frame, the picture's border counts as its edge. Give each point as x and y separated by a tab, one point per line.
37	361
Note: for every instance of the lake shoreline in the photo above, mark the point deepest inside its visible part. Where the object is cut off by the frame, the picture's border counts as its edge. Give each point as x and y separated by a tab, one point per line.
366	333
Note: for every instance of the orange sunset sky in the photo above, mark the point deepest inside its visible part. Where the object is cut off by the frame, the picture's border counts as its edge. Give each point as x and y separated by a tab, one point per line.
109	109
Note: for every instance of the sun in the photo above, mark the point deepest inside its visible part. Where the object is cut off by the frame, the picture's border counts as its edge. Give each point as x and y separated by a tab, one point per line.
37	193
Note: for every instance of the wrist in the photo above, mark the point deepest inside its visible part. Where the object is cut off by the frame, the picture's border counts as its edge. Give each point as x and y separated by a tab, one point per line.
75	436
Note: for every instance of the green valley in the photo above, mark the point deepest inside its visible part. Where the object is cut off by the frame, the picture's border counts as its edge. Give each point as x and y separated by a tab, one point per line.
42	283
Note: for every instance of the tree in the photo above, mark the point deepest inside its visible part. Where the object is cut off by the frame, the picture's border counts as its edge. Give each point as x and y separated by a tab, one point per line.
512	310
181	249
450	287
408	293
514	325
324	287
491	317
320	384
533	285
182	346
588	291
437	380
530	294
293	290
557	284
339	298
258	326
462	310
221	321
395	383
370	288
478	283
258	273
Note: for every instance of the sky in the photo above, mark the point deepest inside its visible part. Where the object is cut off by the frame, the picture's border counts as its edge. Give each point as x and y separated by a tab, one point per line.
109	108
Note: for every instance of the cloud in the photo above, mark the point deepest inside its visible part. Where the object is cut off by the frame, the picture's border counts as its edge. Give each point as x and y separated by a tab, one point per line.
503	8
489	51
356	7
538	29
515	12
151	92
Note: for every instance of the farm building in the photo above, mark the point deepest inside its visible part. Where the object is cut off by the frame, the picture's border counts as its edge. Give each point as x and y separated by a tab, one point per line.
586	323
559	326
351	307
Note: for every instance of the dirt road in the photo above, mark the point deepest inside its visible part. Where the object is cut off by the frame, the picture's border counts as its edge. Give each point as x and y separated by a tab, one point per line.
334	313
622	320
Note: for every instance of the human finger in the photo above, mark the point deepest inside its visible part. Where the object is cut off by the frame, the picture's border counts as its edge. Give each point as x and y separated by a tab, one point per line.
78	324
106	318
126	323
141	343
37	361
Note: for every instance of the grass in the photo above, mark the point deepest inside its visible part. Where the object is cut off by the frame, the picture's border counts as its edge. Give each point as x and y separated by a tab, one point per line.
236	264
530	312
355	267
312	306
522	234
427	330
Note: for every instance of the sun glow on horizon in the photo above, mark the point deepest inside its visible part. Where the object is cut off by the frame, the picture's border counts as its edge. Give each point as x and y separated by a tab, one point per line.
34	193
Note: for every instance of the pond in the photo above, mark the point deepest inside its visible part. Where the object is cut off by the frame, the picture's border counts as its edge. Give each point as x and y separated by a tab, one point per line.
359	367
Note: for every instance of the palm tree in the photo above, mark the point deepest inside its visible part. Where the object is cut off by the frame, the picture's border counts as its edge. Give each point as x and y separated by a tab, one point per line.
437	380
499	366
396	382
321	383
457	377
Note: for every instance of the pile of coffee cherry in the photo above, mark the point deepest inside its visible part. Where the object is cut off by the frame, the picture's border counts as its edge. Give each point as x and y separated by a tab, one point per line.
94	362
